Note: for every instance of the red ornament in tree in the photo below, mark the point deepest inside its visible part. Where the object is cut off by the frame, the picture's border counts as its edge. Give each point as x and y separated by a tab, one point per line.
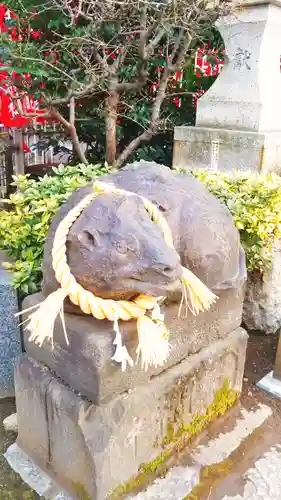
16	105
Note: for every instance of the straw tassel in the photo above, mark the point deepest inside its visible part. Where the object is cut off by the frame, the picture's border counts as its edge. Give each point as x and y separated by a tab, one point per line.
121	354
153	348
196	295
41	322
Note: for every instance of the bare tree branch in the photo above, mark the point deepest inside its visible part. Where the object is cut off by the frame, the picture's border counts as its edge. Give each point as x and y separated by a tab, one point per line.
71	130
46	63
72	111
152	129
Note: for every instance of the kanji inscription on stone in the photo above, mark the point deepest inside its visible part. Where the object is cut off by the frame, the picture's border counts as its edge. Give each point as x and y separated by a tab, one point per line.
241	59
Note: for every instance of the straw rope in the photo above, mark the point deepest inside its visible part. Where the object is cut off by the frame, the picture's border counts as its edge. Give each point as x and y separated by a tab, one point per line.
87	301
153	335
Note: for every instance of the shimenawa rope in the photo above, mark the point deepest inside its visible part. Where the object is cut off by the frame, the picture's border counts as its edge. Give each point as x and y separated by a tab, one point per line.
153	336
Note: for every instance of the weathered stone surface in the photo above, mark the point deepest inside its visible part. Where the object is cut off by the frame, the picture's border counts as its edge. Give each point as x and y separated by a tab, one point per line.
10	339
262	305
31	474
30	396
94	449
176	485
10	423
263	479
226	150
115	250
85	364
211	448
242	97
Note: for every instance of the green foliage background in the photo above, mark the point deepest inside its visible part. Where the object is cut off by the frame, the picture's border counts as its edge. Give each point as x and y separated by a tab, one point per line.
254	201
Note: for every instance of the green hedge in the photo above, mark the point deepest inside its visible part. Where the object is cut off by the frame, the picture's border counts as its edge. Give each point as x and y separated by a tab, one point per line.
23	230
255	203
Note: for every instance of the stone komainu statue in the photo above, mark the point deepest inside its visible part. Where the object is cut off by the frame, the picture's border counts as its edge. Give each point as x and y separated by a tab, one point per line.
116	251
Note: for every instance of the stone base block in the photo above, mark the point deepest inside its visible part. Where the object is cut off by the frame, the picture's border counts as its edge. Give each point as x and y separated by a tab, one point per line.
90	450
10	338
85	364
227	150
32	475
270	384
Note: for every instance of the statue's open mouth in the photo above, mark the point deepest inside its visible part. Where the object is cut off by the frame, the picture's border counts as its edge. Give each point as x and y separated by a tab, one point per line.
131	287
154	289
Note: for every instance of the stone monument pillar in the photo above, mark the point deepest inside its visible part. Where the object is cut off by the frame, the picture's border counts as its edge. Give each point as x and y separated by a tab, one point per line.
238	123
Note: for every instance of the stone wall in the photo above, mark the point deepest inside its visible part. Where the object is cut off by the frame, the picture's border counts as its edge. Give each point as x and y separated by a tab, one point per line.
10	338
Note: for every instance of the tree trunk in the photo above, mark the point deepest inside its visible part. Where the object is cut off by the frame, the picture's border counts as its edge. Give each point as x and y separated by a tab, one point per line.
132	146
110	128
153	125
77	145
71	130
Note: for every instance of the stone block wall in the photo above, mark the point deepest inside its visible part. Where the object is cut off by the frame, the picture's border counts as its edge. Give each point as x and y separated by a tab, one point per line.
10	337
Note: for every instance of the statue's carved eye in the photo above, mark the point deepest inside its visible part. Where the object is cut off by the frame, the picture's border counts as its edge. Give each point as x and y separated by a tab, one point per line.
89	238
161	208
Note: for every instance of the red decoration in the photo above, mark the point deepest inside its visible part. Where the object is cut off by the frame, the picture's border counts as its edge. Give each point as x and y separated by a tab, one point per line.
14	103
25	148
208	62
6	15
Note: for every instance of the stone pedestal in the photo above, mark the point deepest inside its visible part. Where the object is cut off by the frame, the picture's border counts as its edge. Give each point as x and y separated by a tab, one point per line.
242	110
227	150
78	414
85	364
91	450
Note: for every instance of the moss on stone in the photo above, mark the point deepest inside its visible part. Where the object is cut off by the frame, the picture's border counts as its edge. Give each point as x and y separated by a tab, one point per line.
176	441
209	476
224	399
170	436
80	491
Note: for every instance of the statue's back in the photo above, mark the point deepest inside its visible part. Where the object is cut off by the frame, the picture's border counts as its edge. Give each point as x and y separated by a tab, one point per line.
203	230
